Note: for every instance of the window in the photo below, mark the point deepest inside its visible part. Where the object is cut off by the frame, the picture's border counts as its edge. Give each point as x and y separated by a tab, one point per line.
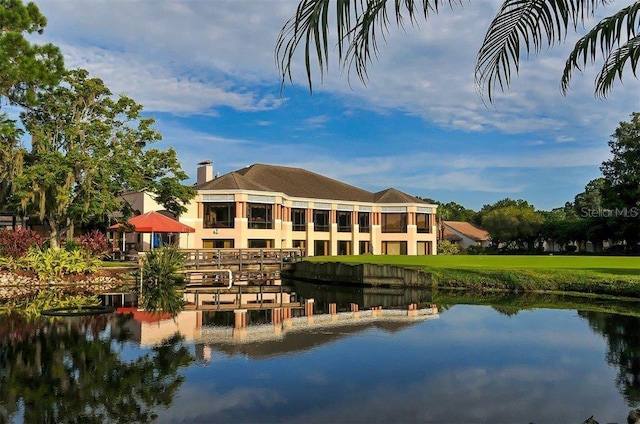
217	244
394	247
344	221
363	222
422	222
219	215
394	222
321	248
424	248
320	220
260	244
364	247
344	247
260	216
299	219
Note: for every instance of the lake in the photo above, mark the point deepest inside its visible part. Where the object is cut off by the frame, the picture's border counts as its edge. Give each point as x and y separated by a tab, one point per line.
525	359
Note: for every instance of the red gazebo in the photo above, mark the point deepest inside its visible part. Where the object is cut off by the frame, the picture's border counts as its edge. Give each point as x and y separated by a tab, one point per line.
152	222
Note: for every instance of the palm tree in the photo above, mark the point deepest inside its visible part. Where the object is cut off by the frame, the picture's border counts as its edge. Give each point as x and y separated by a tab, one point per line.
520	25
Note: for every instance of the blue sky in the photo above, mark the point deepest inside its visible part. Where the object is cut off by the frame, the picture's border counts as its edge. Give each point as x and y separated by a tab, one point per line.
206	71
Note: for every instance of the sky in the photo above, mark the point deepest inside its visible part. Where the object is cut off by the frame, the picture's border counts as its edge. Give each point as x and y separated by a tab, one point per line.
206	71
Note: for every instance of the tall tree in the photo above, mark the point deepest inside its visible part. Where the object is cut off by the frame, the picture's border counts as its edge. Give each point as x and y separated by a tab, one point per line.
24	66
621	188
513	222
87	148
590	200
453	211
520	25
10	157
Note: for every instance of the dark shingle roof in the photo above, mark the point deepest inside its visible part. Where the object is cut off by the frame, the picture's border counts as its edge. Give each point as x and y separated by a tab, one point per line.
391	195
232	181
298	182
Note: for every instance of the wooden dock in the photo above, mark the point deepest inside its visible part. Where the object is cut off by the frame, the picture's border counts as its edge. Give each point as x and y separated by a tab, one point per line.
242	259
216	267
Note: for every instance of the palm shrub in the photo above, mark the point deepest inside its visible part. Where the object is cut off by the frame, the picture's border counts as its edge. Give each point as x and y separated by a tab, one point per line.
54	264
160	281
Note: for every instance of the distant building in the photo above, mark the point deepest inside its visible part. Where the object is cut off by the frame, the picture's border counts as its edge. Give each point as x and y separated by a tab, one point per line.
268	206
464	234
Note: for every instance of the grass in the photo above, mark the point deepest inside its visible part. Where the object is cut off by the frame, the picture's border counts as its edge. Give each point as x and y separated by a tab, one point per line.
609	275
611	265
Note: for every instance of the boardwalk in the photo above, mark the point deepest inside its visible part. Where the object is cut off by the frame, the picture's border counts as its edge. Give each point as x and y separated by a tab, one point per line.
216	267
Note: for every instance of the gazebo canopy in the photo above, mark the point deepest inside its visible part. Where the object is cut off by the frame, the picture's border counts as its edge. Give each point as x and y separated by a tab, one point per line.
155	222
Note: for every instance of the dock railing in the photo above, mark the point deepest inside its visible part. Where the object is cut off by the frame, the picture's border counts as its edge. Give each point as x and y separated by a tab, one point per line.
241	258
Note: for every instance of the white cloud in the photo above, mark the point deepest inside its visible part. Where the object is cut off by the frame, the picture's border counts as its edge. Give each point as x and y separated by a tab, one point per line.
158	89
193	57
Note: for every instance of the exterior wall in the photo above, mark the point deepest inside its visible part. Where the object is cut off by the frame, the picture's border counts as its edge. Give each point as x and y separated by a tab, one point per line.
282	234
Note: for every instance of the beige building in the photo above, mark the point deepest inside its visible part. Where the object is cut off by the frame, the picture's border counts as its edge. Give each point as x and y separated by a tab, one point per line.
267	206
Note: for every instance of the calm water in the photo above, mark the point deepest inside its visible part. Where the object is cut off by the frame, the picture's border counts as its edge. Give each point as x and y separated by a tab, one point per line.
468	364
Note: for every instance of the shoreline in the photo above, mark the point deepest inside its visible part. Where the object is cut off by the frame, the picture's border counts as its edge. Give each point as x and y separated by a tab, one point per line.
602	276
542	281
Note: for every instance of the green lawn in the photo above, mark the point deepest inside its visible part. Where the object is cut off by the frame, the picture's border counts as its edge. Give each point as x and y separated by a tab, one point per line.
615	265
605	275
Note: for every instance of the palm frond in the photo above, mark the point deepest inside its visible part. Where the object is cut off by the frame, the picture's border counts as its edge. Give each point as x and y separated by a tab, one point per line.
307	24
524	25
614	65
608	39
358	23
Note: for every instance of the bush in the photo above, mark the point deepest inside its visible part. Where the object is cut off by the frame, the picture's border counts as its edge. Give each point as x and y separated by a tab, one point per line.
15	243
71	245
95	243
445	247
52	264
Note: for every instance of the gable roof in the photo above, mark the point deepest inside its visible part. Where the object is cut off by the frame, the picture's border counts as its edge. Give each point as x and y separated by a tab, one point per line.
232	181
447	234
391	195
298	182
469	230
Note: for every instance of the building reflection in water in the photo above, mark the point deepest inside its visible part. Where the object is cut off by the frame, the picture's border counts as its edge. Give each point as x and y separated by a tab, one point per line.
263	324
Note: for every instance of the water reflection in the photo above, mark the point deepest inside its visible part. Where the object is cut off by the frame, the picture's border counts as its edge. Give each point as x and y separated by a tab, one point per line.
272	330
622	333
73	370
486	358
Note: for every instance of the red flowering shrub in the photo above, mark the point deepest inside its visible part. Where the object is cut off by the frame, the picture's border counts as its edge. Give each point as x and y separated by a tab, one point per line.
15	243
94	242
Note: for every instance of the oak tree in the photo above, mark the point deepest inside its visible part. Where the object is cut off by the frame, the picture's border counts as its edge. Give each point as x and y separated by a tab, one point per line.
87	149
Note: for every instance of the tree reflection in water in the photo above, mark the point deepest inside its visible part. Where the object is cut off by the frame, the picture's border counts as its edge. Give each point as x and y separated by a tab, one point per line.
617	321
72	370
623	337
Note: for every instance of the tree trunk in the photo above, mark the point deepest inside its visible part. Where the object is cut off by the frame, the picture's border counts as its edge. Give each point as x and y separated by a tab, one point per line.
54	235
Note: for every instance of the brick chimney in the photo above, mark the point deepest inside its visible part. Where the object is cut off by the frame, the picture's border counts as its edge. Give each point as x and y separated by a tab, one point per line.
205	172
